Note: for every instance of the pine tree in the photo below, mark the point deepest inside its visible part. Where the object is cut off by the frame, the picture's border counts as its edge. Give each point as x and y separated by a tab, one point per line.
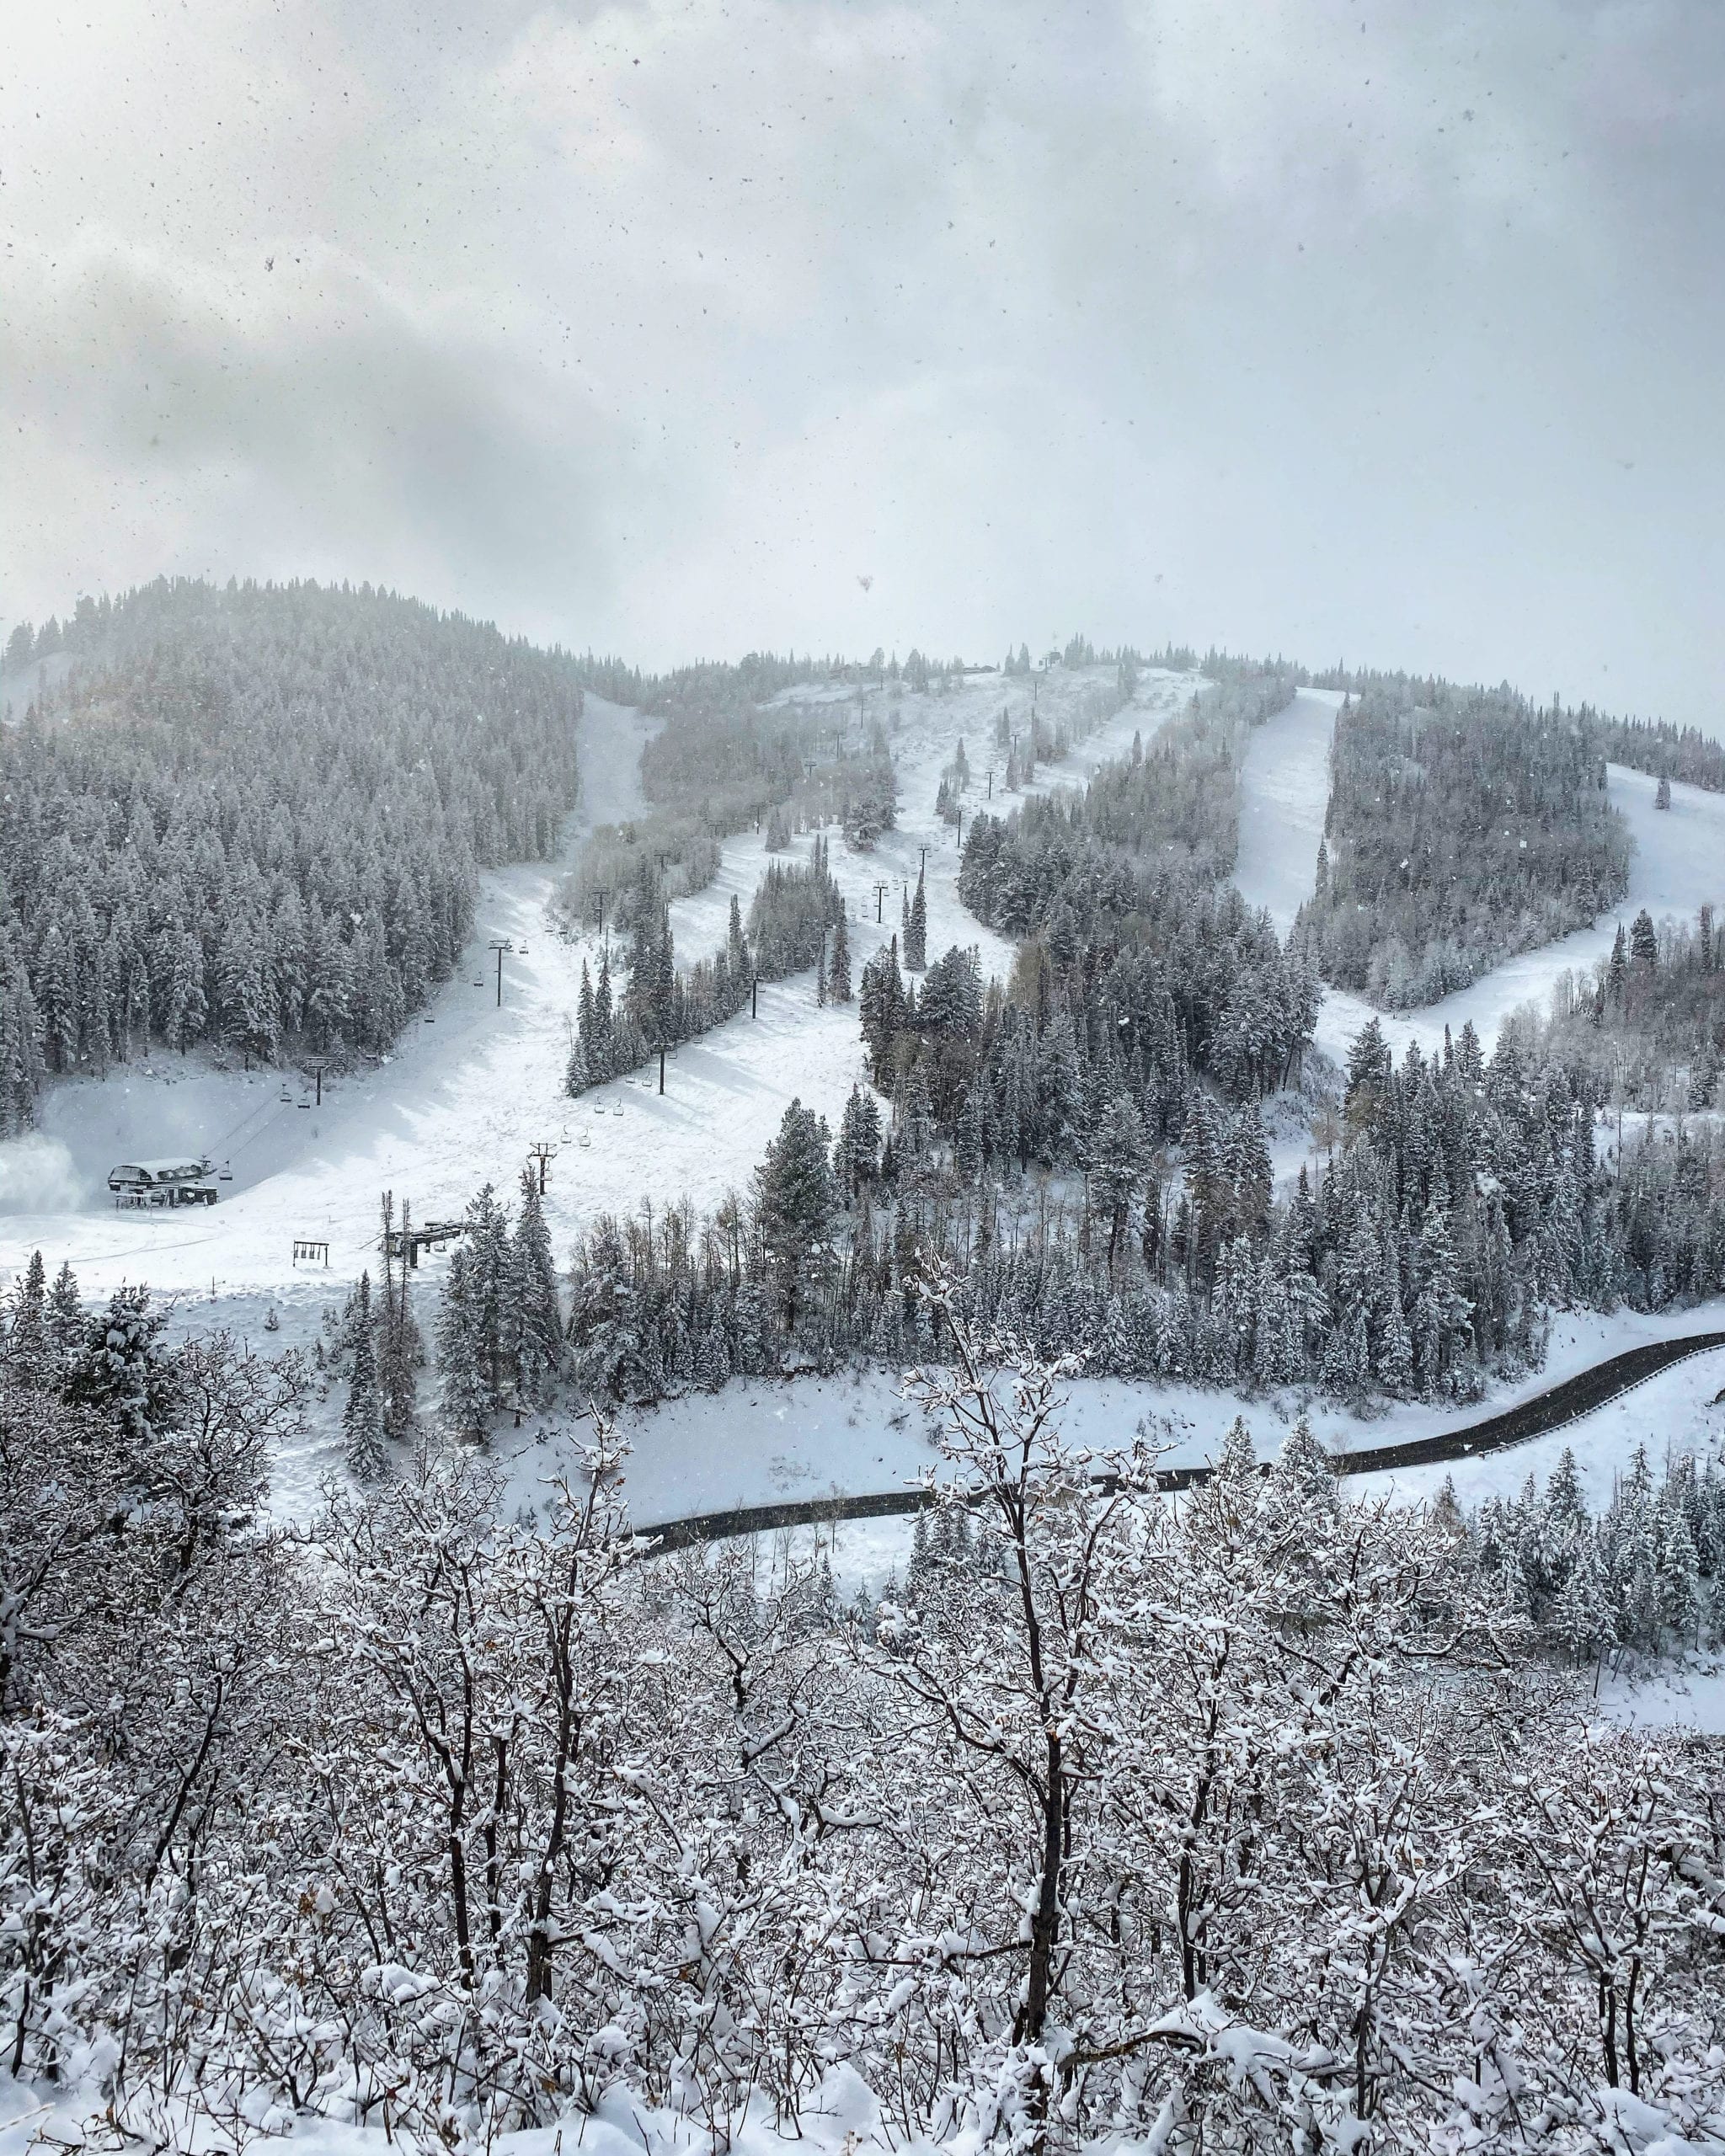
465	1392
838	973
362	1417
400	1350
1303	1465
122	1369
488	1269
794	1200
66	1314
536	1318
857	1156
916	930
29	1357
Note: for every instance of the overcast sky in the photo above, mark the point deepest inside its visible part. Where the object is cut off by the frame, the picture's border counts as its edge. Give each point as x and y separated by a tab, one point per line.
1389	332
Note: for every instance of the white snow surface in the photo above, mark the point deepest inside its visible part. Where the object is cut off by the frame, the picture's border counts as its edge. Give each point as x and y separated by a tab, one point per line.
839	2118
1284	792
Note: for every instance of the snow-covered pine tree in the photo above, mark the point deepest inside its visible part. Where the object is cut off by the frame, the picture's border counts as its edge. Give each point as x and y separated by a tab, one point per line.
536	1318
29	1357
400	1349
916	930
362	1416
466	1393
65	1313
838	972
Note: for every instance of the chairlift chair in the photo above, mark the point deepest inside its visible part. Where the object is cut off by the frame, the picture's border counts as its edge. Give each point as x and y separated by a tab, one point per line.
225	1174
286	1098
585	1139
617	1109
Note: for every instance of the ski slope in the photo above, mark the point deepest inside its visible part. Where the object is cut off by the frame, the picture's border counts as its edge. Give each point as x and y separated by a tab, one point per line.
470	1088
1678	865
1284	792
464	1096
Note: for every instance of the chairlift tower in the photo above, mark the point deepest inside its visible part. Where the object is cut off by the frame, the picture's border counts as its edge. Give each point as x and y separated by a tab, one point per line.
500	944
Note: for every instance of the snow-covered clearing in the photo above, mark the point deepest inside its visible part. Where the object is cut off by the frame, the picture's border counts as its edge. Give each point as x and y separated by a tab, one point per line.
759	1441
1284	792
1678	865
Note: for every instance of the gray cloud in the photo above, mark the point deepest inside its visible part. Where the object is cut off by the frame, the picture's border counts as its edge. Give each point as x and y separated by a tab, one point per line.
1378	330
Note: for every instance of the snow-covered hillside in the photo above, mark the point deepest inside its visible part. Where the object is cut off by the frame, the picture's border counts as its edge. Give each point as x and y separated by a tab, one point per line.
468	1090
1678	865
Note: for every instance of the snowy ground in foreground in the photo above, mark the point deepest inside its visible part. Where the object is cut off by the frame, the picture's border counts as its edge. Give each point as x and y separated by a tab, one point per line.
840	2115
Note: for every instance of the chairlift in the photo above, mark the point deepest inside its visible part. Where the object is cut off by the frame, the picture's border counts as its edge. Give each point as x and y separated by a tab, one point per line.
617	1109
286	1098
306	1101
599	1108
585	1139
226	1174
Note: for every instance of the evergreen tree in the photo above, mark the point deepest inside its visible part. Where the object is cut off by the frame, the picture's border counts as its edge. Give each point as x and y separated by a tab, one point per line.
916	930
794	1202
536	1315
838	972
362	1416
467	1394
400	1350
66	1314
30	1358
122	1370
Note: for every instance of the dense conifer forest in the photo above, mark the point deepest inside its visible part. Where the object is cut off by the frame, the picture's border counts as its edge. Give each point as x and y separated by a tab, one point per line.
255	816
1464	826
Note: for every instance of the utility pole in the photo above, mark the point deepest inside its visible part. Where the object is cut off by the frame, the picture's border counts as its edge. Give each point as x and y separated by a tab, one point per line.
879	900
500	944
543	1154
